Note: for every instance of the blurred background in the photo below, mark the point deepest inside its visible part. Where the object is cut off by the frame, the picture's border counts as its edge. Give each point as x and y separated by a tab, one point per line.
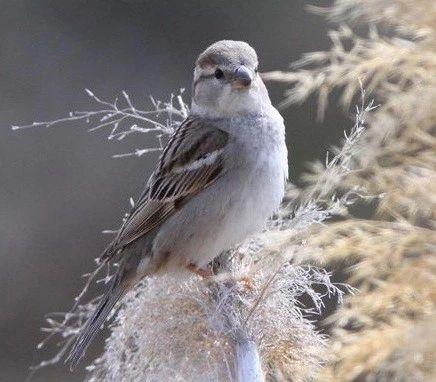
60	187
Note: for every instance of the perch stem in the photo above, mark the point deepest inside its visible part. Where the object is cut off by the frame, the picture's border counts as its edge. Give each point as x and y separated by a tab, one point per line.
247	362
247	365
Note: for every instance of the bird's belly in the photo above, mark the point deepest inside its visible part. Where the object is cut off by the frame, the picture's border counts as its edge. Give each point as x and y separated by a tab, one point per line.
221	216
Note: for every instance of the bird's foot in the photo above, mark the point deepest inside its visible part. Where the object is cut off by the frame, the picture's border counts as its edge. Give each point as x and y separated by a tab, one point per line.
204	273
246	282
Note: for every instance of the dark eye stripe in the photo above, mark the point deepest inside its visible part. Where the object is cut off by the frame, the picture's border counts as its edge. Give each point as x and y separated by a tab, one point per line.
207	75
203	77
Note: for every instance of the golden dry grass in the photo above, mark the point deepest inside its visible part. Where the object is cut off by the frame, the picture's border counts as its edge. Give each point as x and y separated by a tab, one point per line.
387	330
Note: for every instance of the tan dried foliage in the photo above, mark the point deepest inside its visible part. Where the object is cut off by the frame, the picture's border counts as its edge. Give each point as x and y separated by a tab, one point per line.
398	157
387	330
173	329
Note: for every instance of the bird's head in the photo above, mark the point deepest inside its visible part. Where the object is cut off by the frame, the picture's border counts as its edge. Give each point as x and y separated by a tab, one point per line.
227	82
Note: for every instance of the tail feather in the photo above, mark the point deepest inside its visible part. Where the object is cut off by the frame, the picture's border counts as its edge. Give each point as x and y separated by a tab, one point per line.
94	323
110	251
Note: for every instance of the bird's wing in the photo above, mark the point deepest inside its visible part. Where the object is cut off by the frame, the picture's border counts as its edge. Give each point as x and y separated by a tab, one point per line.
191	161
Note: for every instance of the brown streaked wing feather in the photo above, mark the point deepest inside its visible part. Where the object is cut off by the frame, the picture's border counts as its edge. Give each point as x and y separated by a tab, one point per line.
173	179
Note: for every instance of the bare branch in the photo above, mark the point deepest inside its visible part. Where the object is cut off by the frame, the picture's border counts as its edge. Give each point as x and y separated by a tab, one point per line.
160	120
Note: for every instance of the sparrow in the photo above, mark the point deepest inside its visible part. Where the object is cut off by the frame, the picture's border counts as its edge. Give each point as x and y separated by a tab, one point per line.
221	175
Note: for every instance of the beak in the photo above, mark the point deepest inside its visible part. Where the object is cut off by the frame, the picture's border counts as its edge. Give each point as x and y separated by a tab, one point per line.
241	78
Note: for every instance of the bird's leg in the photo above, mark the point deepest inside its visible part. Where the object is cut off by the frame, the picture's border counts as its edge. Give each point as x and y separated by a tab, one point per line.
246	282
205	273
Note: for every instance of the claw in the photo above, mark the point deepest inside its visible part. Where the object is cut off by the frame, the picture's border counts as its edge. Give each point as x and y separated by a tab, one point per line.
247	283
205	273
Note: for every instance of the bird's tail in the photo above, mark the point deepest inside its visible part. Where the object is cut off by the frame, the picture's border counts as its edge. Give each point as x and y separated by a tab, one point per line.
89	331
110	251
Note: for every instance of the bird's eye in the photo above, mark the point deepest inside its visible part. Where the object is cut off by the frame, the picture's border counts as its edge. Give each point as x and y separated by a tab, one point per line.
219	74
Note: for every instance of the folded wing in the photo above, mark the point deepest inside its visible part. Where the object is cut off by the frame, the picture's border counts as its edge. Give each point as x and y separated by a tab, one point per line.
191	161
